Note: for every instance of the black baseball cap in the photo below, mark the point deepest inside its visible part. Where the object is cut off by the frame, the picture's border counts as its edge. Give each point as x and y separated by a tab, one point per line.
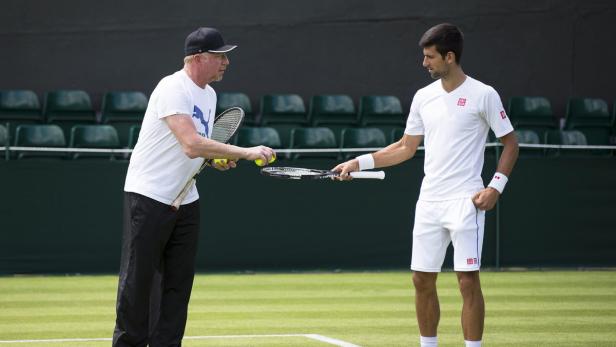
205	40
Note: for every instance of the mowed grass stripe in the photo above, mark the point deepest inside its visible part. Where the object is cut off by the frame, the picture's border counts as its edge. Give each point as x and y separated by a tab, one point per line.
400	279
316	291
508	301
526	316
369	309
522	309
282	341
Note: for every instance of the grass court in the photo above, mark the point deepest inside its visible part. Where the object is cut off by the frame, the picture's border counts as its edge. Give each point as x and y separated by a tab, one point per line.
536	308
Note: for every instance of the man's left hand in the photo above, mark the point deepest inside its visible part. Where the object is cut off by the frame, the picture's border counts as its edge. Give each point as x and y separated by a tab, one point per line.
486	198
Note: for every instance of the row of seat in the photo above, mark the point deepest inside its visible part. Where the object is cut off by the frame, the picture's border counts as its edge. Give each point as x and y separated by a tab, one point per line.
105	136
67	108
556	137
100	136
321	138
552	137
123	109
590	116
318	138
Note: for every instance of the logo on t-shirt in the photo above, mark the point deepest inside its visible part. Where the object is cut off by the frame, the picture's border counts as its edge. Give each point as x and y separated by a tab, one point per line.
197	113
461	101
503	115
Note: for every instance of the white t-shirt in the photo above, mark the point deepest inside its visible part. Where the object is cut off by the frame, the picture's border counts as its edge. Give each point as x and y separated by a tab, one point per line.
455	126
158	167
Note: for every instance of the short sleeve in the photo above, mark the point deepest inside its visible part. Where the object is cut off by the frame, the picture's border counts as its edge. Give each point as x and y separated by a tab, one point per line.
414	123
173	99
495	114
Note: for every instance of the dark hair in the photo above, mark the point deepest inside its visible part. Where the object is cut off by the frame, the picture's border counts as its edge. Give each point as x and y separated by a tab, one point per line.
446	37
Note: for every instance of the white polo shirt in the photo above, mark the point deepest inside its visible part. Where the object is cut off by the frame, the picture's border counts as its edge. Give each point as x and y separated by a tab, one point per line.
158	167
455	126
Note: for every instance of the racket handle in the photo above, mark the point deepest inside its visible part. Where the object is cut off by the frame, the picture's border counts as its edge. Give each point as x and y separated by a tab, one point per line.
379	175
175	205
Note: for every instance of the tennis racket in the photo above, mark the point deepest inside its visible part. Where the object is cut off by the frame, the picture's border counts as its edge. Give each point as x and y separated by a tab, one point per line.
298	173
225	126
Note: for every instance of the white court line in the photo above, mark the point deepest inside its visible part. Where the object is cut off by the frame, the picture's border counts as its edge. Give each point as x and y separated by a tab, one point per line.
321	338
329	340
57	340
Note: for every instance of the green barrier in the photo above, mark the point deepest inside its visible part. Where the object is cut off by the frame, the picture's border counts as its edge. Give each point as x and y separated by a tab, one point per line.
66	217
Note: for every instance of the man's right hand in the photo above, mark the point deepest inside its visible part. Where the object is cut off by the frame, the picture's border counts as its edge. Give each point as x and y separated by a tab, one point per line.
345	168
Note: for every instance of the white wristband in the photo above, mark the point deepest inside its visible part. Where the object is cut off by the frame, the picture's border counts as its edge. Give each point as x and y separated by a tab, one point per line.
498	182
366	162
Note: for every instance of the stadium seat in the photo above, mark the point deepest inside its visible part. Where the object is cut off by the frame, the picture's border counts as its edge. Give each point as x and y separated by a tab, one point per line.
19	107
591	117
396	135
123	110
283	112
361	138
566	137
313	138
336	112
94	136
255	136
4	136
532	113
529	137
228	100
40	135
381	111
133	135
385	109
67	108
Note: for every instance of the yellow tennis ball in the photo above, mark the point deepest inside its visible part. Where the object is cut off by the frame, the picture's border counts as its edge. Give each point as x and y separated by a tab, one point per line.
260	162
221	162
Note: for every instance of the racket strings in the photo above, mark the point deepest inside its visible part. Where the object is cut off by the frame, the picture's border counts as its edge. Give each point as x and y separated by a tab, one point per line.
226	125
292	171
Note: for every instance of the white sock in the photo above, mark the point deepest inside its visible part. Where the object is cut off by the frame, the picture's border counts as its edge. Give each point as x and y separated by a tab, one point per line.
472	343
429	341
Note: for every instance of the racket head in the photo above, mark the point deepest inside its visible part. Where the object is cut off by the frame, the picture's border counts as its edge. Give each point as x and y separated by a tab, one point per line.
225	126
296	173
227	123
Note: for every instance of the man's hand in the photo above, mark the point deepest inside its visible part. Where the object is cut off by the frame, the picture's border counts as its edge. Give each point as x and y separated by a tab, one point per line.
259	152
486	198
224	165
344	169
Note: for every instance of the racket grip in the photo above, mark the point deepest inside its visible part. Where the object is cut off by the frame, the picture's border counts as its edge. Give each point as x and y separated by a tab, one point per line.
379	175
175	205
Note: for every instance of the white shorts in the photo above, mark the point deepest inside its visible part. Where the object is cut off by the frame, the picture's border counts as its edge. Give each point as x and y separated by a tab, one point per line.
437	223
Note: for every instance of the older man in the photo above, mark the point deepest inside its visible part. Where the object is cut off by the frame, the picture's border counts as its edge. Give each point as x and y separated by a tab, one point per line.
159	243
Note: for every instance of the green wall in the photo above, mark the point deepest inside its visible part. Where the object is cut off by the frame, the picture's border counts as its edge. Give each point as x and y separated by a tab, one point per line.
66	217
